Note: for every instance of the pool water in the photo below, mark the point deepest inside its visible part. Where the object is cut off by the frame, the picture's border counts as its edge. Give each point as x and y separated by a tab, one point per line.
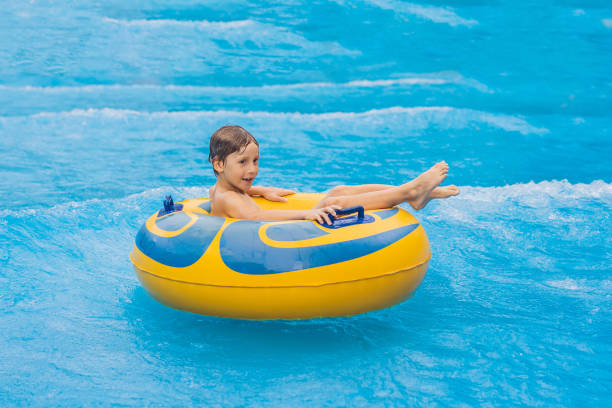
107	106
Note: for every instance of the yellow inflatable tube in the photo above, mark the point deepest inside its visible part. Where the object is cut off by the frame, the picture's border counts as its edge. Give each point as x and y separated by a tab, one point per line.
193	261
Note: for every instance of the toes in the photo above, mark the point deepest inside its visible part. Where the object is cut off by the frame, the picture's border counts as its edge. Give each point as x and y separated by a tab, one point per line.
442	166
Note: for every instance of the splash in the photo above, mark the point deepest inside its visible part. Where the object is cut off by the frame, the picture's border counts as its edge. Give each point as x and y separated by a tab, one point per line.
441	15
413	117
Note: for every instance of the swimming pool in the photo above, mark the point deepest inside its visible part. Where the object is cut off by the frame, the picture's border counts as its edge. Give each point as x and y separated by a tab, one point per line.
106	107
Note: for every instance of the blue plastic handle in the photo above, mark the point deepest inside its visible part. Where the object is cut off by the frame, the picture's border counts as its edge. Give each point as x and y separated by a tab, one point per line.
337	222
346	211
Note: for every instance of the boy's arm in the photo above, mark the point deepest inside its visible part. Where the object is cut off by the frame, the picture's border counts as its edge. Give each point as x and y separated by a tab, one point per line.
270	193
232	205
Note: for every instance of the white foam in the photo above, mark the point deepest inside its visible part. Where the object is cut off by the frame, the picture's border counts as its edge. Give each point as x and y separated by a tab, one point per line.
432	13
122	113
181	23
450	117
266	37
554	189
129	201
400	80
569	284
582	285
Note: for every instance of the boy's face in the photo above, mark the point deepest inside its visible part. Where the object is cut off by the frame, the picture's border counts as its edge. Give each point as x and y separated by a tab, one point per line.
240	168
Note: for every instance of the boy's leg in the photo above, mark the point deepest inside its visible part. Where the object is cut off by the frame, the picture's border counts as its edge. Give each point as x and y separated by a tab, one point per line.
415	192
352	190
370	201
438	192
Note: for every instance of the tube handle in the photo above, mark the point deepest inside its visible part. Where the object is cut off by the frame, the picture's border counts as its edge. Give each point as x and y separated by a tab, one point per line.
337	222
357	209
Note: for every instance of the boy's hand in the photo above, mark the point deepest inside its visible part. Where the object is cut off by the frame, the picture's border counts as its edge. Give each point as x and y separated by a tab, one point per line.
276	194
320	214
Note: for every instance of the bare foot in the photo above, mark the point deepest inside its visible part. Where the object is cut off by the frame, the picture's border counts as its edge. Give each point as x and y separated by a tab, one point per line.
441	192
444	192
422	186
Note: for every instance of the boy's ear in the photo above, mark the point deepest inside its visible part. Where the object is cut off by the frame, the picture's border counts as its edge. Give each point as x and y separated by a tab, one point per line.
217	165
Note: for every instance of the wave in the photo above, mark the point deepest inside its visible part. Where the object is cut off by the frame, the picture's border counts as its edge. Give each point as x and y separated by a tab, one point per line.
181	23
421	116
264	36
548	207
131	201
521	193
582	285
597	189
121	113
431	13
401	80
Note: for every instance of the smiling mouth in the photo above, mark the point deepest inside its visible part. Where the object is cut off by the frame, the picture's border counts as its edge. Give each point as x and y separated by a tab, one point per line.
248	180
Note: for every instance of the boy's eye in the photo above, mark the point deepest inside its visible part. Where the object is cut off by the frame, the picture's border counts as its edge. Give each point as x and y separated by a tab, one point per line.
242	161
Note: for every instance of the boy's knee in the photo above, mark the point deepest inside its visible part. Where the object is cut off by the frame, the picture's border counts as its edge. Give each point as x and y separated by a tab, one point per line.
337	191
330	200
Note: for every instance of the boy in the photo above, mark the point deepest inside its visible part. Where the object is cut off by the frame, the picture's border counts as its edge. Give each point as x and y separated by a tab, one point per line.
234	154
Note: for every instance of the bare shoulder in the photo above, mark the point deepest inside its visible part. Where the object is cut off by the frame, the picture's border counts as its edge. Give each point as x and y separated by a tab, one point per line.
222	201
233	204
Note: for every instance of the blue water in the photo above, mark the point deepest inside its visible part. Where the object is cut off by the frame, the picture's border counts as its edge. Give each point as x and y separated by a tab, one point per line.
106	106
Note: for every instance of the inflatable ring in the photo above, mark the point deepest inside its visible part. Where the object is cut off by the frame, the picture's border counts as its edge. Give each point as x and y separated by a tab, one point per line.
193	261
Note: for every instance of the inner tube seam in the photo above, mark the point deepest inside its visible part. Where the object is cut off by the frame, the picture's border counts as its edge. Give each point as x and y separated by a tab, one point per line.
288	286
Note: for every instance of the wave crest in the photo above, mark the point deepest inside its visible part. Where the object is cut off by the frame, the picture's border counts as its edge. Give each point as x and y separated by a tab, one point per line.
420	117
523	192
399	80
432	13
180	23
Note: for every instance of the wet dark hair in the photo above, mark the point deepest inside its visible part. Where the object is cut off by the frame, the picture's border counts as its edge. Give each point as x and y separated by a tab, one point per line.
227	140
